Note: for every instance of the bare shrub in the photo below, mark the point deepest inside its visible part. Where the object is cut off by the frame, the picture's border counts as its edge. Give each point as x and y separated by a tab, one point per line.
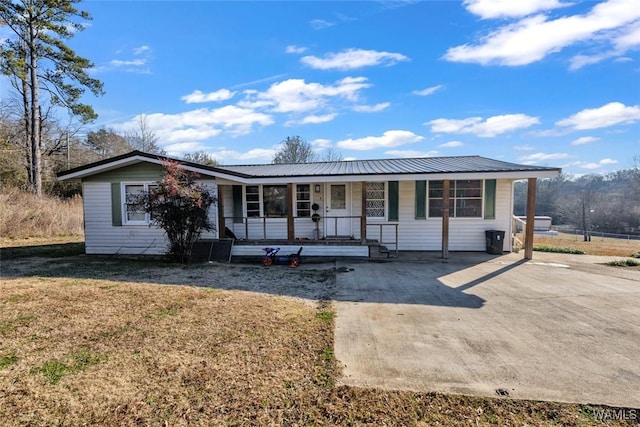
23	215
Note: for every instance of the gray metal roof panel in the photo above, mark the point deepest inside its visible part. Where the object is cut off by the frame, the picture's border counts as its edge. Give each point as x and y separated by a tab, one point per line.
424	165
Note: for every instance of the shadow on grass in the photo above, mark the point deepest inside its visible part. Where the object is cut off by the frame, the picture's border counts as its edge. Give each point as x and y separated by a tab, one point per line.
59	250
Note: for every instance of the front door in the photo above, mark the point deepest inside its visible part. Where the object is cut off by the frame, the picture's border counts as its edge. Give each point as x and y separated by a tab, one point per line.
338	209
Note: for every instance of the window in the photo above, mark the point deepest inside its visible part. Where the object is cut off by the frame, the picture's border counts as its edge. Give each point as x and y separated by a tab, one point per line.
133	214
375	200
274	201
303	200
465	198
253	201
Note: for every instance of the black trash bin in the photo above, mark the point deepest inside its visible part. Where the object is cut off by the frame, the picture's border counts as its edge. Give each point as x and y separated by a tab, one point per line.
495	241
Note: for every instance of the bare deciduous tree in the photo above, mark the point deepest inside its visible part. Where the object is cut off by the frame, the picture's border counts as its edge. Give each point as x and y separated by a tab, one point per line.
294	149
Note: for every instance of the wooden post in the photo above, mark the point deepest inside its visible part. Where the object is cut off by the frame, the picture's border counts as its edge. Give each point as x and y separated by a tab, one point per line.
363	214
290	223
531	217
221	225
445	219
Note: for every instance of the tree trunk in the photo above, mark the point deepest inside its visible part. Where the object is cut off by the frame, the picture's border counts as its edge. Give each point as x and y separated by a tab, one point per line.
26	121
36	154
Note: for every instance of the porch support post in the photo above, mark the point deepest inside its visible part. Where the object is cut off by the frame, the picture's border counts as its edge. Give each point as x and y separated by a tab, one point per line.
531	215
290	223
221	225
445	219
363	214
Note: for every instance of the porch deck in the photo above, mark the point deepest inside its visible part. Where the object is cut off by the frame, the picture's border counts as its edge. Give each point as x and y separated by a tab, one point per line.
326	248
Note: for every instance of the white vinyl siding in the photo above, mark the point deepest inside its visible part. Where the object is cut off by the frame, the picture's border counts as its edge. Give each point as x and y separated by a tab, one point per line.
465	234
102	237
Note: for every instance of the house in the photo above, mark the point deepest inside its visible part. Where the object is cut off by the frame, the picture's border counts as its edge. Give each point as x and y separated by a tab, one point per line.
337	208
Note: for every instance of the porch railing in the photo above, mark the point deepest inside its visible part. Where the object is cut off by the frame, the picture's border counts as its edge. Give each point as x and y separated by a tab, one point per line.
519	230
264	228
382	236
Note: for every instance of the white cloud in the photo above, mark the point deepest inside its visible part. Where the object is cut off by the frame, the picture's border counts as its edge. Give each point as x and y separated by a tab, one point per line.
295	49
296	95
390	138
140	50
489	9
613	113
371	108
427	91
132	62
451	144
194	125
538	157
608	162
410	153
192	134
595	165
319	24
491	127
255	155
629	39
524	147
534	37
312	119
198	96
589	166
321	143
584	140
137	63
351	59
179	149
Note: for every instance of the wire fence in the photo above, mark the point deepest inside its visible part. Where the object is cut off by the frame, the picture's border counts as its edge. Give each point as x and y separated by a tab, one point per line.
594	233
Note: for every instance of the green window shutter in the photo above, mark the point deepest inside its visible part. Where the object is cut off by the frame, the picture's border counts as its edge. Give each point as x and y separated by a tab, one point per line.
237	203
421	199
490	199
116	205
394	195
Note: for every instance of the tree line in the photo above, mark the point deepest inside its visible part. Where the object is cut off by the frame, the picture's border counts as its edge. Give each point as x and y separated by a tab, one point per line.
607	203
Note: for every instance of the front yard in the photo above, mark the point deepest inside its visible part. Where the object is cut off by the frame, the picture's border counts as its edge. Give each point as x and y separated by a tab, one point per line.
105	341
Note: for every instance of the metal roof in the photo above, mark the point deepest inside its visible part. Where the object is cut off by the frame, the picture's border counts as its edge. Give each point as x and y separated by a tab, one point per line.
425	165
389	167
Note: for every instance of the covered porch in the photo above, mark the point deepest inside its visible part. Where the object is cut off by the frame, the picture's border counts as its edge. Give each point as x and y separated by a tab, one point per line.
331	219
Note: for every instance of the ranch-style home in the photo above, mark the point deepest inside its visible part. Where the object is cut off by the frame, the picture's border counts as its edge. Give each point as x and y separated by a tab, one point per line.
338	208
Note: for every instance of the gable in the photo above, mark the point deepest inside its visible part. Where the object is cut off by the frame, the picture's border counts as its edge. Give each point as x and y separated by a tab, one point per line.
138	172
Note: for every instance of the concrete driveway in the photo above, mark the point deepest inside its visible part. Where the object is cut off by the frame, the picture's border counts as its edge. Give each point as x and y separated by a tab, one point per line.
561	327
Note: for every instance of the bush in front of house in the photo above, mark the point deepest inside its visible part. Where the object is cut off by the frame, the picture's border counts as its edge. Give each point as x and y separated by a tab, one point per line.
180	206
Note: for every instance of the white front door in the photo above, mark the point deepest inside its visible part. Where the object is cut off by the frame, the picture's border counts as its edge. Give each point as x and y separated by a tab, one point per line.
338	207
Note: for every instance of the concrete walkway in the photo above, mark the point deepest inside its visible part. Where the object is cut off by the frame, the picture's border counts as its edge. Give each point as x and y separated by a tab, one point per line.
560	328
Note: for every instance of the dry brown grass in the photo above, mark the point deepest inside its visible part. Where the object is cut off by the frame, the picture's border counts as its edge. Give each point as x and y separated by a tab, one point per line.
23	215
94	341
597	245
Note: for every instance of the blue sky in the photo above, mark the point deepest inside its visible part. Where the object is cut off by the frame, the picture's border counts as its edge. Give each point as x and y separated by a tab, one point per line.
545	82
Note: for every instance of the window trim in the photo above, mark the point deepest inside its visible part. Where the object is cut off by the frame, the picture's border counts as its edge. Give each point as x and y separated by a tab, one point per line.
385	199
123	202
296	200
452	214
260	201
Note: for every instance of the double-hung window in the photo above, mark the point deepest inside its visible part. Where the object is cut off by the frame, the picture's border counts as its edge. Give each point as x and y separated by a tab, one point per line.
465	198
303	200
132	211
266	200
